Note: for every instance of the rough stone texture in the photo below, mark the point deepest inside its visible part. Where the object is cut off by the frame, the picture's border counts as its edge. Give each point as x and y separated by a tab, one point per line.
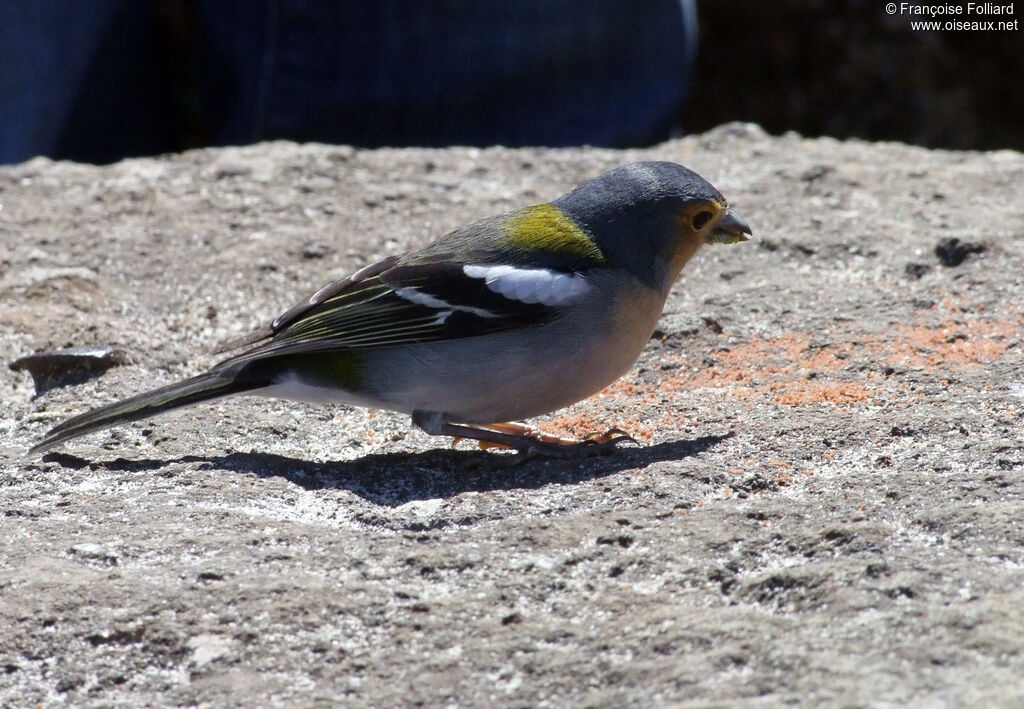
827	508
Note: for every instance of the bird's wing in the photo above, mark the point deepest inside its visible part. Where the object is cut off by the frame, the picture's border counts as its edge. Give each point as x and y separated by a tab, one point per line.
393	302
473	281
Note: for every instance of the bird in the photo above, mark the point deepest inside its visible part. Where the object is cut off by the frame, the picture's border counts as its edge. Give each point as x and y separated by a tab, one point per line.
509	318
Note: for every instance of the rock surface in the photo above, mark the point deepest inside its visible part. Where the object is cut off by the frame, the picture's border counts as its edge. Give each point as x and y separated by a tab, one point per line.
828	508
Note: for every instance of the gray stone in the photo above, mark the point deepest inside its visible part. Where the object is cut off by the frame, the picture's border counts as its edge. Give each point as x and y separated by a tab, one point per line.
773	542
70	365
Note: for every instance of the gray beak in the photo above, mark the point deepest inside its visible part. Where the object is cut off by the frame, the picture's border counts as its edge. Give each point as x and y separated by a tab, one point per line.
731	229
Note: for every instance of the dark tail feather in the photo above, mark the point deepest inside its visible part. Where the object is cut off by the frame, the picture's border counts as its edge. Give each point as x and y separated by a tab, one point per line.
191	391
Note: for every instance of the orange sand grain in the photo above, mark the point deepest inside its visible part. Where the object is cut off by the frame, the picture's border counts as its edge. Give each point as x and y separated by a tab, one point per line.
792	370
837	367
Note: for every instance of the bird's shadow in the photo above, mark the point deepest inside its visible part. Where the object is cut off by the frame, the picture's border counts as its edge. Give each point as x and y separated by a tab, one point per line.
393	479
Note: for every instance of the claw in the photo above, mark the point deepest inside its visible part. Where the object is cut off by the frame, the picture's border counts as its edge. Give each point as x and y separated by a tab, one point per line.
612	435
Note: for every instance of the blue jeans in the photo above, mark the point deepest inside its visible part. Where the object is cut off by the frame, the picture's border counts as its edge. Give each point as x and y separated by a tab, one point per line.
103	79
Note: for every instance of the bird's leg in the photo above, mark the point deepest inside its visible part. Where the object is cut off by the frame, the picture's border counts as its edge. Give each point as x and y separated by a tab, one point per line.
527	440
612	436
530	441
516	428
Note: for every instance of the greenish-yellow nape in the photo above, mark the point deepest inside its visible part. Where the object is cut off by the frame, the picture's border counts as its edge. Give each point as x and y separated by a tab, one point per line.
546	228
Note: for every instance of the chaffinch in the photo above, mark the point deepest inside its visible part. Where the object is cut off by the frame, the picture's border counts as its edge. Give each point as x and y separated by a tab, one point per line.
511	317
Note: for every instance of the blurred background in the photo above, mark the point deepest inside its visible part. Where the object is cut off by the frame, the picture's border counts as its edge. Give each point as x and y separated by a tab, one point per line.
98	80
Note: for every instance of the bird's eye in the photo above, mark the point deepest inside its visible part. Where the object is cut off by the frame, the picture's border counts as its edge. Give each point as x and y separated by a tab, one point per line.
700	219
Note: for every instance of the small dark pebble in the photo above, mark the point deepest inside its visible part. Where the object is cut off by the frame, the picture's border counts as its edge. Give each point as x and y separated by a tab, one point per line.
314	250
73	365
712	324
916	270
952	252
69	682
512	619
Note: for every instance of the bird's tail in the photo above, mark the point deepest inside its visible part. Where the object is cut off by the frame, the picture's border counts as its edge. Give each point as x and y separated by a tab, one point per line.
204	387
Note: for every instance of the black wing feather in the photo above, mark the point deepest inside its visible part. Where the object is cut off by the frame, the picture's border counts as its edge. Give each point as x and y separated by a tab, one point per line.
350	283
364	310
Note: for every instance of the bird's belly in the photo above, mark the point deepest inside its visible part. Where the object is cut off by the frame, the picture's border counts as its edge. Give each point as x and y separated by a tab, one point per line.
508	376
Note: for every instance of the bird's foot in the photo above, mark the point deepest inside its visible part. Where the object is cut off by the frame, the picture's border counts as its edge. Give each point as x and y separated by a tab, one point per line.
527	440
531	442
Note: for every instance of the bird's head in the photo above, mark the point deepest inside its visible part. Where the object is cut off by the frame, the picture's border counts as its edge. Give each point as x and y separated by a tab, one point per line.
650	218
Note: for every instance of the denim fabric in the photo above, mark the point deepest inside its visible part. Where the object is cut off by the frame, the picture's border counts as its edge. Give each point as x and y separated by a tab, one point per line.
102	79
